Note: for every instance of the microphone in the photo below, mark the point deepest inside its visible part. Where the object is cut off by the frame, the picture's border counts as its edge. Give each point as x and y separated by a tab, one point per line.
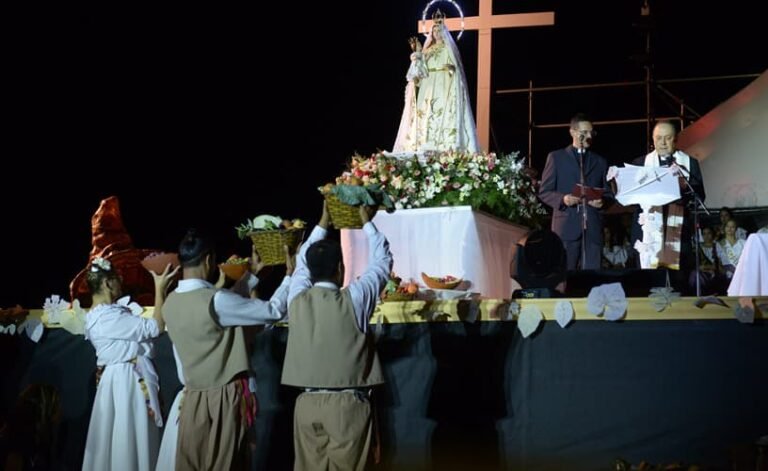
581	148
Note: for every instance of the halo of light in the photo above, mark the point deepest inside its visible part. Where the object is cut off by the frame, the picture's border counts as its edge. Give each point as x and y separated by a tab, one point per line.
455	5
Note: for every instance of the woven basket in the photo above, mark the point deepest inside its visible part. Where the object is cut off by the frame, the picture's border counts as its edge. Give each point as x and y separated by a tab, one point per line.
343	216
270	244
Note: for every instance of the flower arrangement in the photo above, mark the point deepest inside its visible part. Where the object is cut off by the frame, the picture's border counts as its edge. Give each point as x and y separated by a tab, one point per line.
495	184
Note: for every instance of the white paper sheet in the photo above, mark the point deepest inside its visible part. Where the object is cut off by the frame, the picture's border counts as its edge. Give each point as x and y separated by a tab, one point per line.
529	320
563	313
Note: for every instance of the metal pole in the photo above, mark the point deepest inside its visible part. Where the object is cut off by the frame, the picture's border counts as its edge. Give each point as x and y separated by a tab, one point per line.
508	91
530	123
648	111
647	82
609	121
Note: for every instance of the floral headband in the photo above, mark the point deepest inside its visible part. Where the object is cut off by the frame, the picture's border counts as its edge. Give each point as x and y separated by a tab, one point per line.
99	263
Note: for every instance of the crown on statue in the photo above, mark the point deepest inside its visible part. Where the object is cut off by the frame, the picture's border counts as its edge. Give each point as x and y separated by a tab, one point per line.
438	17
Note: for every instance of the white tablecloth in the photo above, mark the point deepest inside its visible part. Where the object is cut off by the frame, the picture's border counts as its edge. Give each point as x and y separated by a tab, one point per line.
452	240
751	277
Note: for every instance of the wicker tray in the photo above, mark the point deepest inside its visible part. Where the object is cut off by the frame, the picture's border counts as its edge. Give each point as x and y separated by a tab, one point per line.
270	244
343	216
395	297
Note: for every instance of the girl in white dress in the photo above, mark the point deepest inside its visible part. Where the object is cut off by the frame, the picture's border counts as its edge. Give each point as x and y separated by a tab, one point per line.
730	248
166	459
709	264
615	254
125	420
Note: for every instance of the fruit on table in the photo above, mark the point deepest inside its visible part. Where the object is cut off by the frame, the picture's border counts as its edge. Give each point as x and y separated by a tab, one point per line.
395	285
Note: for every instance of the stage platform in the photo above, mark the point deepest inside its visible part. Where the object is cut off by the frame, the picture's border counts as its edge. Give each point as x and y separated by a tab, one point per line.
466	391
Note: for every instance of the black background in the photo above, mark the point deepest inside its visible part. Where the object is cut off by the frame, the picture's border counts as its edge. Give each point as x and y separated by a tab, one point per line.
121	100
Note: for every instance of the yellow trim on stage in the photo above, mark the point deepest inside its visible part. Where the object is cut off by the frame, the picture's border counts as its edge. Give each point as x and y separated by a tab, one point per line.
640	309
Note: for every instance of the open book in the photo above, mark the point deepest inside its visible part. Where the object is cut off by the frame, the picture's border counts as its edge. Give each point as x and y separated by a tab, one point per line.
589	192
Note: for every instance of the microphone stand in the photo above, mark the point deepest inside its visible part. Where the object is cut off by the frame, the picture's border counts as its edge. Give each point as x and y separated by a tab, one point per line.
696	203
582	155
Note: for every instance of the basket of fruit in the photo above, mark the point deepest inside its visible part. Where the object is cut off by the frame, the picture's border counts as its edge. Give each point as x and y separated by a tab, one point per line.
235	267
270	233
343	216
396	291
345	198
444	282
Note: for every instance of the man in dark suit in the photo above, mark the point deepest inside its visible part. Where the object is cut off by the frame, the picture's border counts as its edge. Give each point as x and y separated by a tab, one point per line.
577	220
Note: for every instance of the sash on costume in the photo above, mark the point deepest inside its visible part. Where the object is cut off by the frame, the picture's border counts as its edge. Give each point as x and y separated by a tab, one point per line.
249	405
672	215
146	371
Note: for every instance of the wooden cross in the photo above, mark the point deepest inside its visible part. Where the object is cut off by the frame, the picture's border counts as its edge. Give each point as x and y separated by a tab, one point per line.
484	23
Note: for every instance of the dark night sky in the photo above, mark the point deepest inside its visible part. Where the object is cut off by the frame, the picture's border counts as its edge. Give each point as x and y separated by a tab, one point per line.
146	91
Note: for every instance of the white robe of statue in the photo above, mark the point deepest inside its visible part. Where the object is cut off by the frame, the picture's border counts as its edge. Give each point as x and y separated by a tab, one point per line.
437	115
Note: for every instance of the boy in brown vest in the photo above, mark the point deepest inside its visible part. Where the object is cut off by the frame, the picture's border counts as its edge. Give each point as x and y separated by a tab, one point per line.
330	354
205	326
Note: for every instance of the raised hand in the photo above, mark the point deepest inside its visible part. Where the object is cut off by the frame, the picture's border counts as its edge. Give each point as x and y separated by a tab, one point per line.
290	260
325	219
367	212
256	263
164	279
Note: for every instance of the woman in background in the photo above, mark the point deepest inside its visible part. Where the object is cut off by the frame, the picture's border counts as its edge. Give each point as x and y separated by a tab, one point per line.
729	249
709	264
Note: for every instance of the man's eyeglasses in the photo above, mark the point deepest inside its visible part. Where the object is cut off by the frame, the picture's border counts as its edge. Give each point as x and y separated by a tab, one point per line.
591	133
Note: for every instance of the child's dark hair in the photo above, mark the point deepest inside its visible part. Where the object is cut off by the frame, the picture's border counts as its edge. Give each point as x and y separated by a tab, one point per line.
98	271
193	248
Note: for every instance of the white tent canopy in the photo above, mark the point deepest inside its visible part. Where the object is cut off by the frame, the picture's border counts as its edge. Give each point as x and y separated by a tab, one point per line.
731	143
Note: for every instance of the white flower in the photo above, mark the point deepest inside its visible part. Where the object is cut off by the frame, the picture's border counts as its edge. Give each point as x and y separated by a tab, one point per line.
100	263
55	306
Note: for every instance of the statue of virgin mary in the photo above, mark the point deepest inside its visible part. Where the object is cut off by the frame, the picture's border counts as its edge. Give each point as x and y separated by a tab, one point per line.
437	115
